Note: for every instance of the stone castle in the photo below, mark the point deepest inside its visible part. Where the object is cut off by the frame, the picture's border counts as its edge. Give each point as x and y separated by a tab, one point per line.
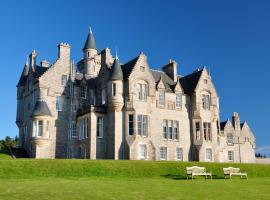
104	109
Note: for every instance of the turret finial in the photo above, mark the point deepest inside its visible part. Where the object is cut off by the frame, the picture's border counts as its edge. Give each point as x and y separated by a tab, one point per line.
116	55
26	63
90	29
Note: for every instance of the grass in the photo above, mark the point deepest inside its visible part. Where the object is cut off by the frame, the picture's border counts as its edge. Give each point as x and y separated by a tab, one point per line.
106	179
4	154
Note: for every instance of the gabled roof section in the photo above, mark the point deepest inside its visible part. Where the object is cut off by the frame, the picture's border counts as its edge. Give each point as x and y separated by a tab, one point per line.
128	67
36	74
167	81
223	124
41	109
190	82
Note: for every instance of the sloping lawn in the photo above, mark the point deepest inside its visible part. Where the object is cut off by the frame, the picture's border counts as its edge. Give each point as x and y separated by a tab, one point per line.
106	179
4	154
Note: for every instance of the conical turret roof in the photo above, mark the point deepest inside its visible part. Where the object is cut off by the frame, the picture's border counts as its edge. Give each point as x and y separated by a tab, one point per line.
116	73
90	42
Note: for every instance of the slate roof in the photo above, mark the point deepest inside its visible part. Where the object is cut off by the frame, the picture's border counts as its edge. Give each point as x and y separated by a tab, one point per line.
116	71
167	81
190	81
223	124
90	42
92	82
39	70
128	67
41	109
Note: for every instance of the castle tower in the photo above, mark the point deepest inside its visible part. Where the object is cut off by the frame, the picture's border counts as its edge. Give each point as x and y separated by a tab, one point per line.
115	103
41	125
90	51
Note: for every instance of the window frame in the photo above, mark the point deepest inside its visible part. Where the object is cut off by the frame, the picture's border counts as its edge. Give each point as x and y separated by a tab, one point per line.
163	151
161	98
231	156
179	153
142	154
100	127
208	151
130	122
178	100
83	91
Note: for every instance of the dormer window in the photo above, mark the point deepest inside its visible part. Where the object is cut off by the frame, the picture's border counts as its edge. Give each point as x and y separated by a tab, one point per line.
142	91
178	100
83	92
205	81
162	98
230	139
206	101
142	68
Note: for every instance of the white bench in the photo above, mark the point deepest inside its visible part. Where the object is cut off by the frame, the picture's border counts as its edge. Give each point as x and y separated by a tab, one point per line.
232	171
197	171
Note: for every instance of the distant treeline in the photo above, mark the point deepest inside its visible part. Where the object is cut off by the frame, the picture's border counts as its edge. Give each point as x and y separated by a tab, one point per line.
259	155
8	142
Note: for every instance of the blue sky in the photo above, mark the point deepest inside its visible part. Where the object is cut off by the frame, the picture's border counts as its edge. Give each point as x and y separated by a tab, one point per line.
230	38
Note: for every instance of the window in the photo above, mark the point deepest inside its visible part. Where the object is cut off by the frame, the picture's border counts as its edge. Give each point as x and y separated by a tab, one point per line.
100	127
230	139
205	81
37	128
206	102
142	124
178	101
198	131
103	96
170	128
207	131
131	124
59	103
179	154
163	153
63	80
142	91
40	128
143	152
74	130
83	92
145	125
142	68
139	122
176	130
162	98
113	89
208	154
48	129
230	156
164	127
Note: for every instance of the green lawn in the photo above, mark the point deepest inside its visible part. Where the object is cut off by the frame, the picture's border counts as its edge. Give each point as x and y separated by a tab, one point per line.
106	179
4	154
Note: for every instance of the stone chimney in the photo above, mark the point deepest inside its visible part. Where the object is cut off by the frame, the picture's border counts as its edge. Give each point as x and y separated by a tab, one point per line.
236	121
32	59
106	57
171	70
64	51
44	63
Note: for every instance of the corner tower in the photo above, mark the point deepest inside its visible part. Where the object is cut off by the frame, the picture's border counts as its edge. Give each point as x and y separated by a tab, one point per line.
115	104
89	65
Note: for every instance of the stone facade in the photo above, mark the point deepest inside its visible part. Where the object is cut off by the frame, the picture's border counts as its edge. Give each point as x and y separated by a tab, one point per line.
103	109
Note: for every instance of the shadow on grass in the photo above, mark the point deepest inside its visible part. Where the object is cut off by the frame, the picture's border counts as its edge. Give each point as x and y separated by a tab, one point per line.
181	177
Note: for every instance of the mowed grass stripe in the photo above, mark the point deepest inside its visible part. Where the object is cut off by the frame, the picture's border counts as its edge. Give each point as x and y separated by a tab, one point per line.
29	168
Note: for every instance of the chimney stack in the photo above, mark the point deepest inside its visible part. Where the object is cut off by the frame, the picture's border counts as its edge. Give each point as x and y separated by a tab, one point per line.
32	59
64	51
236	121
171	70
44	63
